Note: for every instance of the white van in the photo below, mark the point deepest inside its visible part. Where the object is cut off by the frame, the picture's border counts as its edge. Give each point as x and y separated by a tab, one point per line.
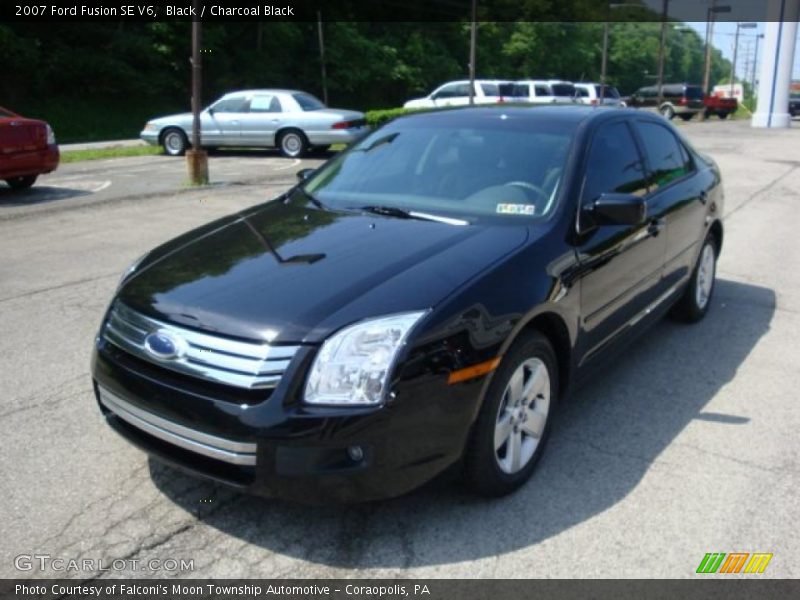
456	93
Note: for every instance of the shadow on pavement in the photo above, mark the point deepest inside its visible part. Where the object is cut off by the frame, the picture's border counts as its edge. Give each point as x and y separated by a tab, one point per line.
605	439
38	194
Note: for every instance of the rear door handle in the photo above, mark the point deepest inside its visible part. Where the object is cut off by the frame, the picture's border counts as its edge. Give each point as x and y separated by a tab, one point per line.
656	225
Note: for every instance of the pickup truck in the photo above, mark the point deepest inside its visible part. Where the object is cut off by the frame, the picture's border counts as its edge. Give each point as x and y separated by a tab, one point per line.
27	149
720	106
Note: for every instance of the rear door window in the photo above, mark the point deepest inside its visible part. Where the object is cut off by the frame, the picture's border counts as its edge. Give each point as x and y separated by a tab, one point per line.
489	89
265	104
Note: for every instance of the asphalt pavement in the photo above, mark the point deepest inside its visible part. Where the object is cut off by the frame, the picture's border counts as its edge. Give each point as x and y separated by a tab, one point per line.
687	445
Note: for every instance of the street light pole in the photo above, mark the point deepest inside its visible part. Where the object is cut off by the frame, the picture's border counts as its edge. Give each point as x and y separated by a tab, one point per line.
755	65
473	38
196	157
604	62
710	20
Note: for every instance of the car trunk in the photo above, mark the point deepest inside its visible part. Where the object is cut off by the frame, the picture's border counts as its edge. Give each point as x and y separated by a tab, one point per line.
18	135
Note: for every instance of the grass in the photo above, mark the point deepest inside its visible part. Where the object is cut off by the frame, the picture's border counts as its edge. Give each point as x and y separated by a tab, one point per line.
113	152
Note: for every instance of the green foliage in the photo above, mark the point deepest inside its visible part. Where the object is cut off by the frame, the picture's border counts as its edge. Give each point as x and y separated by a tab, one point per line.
114	152
97	80
376	118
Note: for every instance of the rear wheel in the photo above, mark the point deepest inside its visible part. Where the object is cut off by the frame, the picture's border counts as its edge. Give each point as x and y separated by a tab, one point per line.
21	183
667	112
693	305
723	115
293	143
514	423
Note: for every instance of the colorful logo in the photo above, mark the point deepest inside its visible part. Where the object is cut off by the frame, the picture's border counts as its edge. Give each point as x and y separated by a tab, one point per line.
734	562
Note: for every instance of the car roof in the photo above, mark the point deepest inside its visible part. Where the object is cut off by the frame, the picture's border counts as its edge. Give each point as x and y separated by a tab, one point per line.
568	114
264	91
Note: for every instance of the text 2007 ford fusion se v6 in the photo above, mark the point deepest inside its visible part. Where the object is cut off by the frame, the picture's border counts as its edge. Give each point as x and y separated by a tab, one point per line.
423	299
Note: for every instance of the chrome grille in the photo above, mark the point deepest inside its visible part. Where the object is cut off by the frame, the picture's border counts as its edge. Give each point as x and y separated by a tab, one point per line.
240	364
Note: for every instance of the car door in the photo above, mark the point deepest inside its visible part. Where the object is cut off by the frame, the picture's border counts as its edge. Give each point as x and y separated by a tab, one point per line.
444	95
620	265
224	121
261	121
679	190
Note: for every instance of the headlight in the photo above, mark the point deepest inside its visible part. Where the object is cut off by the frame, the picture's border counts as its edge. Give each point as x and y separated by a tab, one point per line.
131	270
51	136
150	126
353	366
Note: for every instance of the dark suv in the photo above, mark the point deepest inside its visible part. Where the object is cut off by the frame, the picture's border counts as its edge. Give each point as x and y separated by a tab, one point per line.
680	99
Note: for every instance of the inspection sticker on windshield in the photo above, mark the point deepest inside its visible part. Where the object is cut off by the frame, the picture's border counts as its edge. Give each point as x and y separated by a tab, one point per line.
515	209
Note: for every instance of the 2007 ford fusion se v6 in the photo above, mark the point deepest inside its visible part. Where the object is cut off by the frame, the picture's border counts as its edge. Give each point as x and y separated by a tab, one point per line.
422	300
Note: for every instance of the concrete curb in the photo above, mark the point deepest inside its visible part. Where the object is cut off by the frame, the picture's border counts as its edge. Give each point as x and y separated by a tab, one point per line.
101	145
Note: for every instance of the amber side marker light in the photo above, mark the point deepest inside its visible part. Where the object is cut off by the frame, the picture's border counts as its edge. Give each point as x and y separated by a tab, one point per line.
473	371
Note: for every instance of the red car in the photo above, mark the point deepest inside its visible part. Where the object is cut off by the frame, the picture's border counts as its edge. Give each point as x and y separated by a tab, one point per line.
27	149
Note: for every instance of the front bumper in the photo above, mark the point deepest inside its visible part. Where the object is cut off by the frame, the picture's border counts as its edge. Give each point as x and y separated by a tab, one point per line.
150	136
270	444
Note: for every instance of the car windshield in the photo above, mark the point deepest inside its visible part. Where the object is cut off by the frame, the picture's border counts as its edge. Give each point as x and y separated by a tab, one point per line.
307	101
563	89
463	167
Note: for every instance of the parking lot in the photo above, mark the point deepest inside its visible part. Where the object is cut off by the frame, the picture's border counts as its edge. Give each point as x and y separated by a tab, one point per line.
688	445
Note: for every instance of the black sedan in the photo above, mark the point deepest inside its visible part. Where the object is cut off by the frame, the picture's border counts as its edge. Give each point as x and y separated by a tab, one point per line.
424	299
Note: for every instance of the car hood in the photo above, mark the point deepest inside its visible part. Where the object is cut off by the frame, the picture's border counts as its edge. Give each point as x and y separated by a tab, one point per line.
291	272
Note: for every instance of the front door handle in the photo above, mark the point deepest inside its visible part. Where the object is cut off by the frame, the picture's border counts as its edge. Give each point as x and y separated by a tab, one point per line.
656	225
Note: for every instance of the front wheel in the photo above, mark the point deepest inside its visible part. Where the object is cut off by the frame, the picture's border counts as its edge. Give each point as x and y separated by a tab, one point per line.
514	422
723	115
293	143
693	305
174	142
21	183
667	112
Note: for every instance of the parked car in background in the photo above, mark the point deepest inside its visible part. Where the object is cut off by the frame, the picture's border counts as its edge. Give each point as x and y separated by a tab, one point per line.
456	93
721	106
290	120
425	298
27	149
681	99
589	93
794	104
544	91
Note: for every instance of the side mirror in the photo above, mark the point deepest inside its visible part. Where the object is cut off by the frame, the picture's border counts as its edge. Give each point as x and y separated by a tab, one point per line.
617	209
210	110
304	174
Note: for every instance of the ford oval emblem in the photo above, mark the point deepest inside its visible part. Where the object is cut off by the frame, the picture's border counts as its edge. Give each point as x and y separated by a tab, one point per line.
164	345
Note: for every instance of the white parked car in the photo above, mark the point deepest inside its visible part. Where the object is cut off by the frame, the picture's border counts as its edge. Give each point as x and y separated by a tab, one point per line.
544	91
456	93
589	93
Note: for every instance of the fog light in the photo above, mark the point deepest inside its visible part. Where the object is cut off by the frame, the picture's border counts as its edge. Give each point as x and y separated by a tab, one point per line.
356	453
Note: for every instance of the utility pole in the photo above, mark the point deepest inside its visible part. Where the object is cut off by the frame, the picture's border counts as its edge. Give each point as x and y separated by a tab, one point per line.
736	50
661	48
710	16
604	62
473	38
196	157
322	58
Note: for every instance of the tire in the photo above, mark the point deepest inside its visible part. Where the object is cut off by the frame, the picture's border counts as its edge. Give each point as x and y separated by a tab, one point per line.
292	143
21	183
687	117
490	466
667	112
693	305
723	115
174	142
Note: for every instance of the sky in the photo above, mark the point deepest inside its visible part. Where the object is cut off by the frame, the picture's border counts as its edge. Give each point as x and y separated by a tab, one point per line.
725	31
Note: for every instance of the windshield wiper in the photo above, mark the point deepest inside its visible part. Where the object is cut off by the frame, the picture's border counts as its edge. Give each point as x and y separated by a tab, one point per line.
399	213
